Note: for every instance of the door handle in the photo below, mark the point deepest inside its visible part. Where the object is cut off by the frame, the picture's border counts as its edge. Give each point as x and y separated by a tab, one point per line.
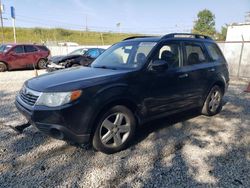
211	70
183	75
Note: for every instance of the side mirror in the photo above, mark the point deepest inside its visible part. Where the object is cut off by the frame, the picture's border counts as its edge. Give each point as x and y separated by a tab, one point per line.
159	65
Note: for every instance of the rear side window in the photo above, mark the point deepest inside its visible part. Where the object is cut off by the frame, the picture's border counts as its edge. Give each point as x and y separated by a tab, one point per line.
214	51
194	54
18	49
30	48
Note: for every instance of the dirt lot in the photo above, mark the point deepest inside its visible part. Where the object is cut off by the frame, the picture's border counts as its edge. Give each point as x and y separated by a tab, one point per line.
184	150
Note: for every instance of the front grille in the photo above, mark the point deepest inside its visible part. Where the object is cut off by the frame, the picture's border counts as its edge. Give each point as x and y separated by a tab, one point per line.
28	96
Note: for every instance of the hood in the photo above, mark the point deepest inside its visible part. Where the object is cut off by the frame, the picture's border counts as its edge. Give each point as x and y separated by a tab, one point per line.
58	59
73	79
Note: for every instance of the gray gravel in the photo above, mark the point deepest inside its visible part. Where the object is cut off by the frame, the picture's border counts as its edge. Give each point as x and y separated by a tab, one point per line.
184	150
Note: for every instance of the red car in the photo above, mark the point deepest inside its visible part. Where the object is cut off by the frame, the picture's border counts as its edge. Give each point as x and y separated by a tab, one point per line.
20	56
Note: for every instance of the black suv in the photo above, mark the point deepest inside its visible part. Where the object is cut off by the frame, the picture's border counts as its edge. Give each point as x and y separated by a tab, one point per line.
132	82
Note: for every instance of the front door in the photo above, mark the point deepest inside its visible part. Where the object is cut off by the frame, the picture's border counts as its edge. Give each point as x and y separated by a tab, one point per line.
17	57
167	87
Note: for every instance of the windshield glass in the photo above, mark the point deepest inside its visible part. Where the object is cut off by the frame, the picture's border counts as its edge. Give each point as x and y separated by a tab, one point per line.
5	48
78	52
124	55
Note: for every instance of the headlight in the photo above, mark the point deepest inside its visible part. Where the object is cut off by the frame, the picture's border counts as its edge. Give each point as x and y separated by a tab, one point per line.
58	98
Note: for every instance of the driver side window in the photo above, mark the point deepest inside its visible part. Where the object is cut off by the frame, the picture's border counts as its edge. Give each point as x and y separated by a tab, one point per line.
169	53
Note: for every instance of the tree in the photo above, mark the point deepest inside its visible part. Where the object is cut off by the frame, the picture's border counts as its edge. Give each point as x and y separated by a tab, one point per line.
223	34
205	23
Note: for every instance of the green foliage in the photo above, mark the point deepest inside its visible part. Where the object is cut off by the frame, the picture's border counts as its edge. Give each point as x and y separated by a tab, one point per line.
42	35
223	34
205	23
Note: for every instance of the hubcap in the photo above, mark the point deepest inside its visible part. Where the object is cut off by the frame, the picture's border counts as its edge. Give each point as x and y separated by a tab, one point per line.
115	130
214	101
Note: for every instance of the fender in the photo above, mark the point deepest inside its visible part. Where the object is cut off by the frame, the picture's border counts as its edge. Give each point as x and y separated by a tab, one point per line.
111	95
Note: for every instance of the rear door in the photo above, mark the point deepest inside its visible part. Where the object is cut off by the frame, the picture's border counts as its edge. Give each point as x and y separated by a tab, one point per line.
32	55
197	68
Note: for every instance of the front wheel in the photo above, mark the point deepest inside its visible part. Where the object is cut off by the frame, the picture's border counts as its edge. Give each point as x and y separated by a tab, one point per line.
115	130
213	102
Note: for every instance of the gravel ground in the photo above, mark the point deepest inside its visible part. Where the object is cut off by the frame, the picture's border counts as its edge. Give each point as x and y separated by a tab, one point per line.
184	150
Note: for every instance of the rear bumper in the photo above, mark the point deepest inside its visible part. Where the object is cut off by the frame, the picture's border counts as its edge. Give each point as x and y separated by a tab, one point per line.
58	131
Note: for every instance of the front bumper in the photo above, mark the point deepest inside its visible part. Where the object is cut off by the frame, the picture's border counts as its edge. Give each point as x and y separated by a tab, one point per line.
54	122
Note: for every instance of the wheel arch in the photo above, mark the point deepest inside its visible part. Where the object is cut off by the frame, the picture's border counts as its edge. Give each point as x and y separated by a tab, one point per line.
130	104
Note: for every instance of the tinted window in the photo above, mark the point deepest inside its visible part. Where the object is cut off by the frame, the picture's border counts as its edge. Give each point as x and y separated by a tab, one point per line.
194	54
214	52
18	49
30	48
169	53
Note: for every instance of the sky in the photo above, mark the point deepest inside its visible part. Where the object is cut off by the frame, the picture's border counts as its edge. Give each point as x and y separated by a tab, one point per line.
134	16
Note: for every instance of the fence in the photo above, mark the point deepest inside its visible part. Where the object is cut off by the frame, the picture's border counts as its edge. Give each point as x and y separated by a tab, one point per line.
63	50
237	54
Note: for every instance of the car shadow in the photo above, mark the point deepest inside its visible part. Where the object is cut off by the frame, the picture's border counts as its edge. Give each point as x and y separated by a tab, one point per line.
156	125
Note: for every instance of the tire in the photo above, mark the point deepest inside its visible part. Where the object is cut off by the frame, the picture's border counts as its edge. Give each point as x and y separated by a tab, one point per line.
114	131
3	67
213	102
42	64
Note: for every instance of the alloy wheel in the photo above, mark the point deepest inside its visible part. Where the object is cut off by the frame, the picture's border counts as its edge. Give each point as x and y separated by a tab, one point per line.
115	130
215	100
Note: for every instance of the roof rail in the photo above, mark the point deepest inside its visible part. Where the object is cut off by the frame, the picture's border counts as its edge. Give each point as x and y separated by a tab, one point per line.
134	37
186	35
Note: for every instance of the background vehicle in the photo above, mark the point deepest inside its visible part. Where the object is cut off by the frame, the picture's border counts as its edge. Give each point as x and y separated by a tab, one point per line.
132	82
22	56
82	56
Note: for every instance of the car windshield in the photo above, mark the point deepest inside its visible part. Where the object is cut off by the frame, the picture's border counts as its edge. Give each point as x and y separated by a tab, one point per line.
124	55
78	52
5	48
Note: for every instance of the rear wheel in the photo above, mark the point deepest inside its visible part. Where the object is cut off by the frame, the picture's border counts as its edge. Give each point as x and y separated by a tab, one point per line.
115	130
3	67
213	102
41	64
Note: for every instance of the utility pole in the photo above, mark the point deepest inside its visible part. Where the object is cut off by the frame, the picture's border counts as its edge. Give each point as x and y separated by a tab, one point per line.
1	17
